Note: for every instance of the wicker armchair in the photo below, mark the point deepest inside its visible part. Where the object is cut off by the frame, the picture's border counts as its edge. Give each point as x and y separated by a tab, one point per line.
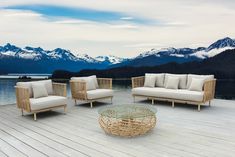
208	93
79	90
27	103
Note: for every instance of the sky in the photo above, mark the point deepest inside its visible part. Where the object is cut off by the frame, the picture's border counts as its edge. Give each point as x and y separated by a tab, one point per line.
122	28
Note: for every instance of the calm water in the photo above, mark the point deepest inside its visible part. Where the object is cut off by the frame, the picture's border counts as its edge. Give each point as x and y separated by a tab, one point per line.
225	89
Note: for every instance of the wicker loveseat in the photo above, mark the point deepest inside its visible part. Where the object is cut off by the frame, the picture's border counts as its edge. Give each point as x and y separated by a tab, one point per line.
186	91
26	101
90	89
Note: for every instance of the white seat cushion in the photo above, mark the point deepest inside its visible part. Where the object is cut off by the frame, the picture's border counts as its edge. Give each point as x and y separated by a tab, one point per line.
99	93
179	94
47	102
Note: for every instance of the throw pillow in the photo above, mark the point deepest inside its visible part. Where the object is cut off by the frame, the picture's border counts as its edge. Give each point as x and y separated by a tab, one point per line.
39	90
172	82
159	78
196	84
149	81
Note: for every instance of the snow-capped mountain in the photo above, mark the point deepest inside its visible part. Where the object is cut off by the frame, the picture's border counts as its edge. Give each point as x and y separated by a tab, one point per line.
31	59
110	59
180	55
215	48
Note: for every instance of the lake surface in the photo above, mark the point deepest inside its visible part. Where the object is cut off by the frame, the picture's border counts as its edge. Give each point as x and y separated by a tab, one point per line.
225	89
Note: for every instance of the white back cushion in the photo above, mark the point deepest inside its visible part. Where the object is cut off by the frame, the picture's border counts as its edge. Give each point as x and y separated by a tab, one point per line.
172	82
205	77
196	84
149	81
95	80
39	90
90	83
47	83
182	80
159	79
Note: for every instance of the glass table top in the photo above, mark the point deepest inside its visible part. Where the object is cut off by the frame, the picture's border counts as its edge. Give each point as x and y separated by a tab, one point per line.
128	111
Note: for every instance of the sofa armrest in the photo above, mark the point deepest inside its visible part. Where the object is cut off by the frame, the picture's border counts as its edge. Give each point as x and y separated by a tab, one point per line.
59	89
209	90
137	81
78	89
105	83
22	98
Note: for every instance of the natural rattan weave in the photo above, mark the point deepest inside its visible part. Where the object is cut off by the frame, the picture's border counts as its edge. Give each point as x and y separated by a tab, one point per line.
127	120
79	91
208	88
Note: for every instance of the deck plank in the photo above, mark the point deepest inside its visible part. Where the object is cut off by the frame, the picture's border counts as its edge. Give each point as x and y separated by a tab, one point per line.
180	131
9	150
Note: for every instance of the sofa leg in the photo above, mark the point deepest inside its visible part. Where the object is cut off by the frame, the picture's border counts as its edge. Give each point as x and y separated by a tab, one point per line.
35	116
91	104
75	101
22	112
65	109
209	103
199	107
173	104
152	101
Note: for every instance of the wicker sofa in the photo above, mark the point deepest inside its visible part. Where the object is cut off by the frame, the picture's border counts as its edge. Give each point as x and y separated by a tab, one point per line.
182	93
90	89
55	97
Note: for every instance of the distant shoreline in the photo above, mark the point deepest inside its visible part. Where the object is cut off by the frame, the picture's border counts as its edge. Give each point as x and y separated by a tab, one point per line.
27	75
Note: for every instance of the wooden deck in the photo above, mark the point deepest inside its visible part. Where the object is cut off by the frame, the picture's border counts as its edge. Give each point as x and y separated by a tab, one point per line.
180	131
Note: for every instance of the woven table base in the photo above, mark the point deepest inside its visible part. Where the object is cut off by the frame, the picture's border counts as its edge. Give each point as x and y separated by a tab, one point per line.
127	127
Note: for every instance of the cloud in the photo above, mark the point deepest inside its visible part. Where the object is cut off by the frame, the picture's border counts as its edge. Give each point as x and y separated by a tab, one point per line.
137	26
55	12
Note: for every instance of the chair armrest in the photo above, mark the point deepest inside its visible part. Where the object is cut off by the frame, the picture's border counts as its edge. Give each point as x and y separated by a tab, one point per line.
209	90
137	81
22	98
105	83
78	89
59	89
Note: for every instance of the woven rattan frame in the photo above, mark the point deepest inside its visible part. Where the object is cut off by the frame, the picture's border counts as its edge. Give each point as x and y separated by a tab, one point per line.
208	88
23	103
127	127
79	91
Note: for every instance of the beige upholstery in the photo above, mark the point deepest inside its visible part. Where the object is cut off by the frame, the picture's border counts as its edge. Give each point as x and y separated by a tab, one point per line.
91	81
172	82
199	93
80	90
47	102
47	83
99	93
39	100
39	90
159	78
149	81
180	94
205	77
182	81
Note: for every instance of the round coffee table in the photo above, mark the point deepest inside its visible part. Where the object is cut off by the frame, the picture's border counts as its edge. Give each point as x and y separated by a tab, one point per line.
127	120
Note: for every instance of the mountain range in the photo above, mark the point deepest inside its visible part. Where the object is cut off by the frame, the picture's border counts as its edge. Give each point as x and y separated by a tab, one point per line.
14	59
